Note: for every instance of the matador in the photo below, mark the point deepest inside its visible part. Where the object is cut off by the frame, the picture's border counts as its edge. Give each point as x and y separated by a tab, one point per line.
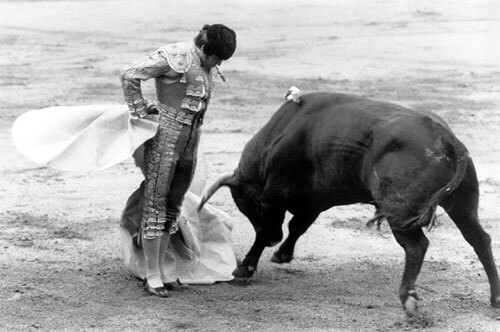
184	74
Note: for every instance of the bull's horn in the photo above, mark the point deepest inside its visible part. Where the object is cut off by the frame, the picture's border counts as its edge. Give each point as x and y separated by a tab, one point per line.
223	180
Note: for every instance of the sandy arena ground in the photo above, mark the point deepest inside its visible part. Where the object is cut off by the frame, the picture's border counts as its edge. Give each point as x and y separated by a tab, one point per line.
60	260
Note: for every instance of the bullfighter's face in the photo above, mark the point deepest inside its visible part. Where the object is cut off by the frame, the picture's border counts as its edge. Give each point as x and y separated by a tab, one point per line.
210	61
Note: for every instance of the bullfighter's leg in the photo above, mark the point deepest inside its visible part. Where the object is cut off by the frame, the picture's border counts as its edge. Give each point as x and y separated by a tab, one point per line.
296	227
415	245
268	233
462	206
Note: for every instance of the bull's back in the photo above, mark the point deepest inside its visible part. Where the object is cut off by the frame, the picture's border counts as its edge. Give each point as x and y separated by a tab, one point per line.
327	126
336	114
327	144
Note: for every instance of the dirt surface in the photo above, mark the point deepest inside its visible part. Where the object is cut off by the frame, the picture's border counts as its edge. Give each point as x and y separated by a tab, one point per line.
60	260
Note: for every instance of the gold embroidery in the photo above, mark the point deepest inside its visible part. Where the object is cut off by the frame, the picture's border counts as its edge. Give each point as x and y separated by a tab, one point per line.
178	55
131	76
159	157
192	104
195	90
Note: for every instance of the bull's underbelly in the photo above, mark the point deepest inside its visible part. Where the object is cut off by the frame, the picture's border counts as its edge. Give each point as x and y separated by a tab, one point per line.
322	200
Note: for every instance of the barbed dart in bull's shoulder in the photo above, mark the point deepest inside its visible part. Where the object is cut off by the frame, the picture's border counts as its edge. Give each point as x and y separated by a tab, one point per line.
293	94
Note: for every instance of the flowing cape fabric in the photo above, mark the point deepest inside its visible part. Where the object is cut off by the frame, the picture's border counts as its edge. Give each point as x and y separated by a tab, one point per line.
96	137
199	253
80	138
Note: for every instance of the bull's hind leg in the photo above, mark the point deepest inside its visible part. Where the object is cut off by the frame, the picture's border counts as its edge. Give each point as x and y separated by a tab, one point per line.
296	227
462	206
415	245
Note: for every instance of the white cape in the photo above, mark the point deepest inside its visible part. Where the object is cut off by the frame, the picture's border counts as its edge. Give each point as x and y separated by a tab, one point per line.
96	137
80	138
199	253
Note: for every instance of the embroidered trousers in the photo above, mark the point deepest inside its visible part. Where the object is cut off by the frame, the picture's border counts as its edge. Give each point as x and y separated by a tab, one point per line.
170	161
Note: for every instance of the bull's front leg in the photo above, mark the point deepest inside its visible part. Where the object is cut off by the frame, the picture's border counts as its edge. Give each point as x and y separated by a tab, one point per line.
268	233
248	266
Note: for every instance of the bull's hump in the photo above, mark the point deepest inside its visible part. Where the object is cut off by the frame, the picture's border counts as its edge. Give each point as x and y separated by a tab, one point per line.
341	105
322	100
324	116
332	117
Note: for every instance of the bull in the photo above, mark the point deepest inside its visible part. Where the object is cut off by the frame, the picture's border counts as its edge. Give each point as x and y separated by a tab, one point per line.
334	149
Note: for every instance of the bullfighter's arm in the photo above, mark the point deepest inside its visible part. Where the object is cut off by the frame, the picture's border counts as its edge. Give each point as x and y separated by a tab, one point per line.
154	65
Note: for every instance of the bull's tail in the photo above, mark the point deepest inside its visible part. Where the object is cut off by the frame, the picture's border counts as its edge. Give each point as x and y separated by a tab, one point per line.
426	216
223	180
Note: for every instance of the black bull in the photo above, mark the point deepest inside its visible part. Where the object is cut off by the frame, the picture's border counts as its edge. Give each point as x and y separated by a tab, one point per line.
336	149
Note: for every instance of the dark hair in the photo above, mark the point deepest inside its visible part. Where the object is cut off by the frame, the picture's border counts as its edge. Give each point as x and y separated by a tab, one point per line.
217	39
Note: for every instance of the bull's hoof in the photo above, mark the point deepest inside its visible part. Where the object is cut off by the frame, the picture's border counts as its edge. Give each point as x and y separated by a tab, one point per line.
281	258
495	301
243	271
411	303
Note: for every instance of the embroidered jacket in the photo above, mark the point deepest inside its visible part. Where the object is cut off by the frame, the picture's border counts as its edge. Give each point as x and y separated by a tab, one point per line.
181	83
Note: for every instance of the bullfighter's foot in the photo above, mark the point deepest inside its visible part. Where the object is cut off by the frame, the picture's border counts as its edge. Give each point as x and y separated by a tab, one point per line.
156	291
281	258
244	271
411	302
495	301
175	285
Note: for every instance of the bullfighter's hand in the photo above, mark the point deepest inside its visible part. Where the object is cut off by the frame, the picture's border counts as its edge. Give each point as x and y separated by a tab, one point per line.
151	107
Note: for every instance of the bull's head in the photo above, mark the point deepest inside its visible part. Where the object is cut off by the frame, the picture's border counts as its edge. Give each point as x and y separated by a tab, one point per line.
246	196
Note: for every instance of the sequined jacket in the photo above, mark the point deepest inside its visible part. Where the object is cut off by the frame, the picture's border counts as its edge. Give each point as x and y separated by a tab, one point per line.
183	88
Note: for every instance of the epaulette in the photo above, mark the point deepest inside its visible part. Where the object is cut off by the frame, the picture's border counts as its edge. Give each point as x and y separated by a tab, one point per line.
178	56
